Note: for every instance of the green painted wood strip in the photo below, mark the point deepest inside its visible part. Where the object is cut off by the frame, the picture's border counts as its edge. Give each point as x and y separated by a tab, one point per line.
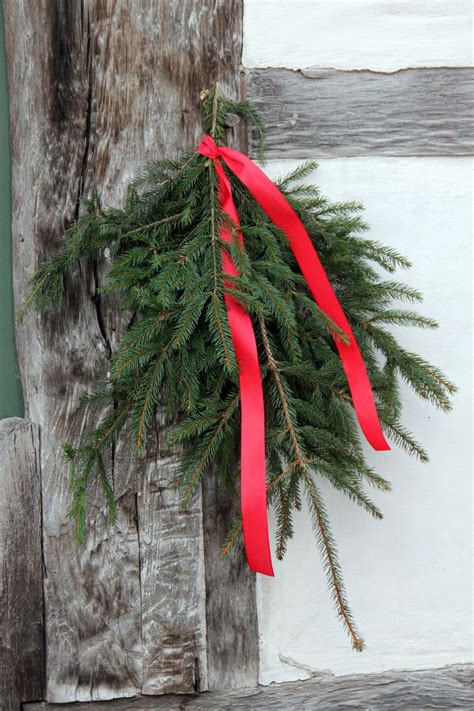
11	401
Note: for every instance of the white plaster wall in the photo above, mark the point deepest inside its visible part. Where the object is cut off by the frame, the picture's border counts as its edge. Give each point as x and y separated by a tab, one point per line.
409	577
384	35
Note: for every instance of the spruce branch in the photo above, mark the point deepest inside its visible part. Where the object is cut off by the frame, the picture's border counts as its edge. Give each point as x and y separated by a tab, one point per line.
323	534
177	358
330	558
232	537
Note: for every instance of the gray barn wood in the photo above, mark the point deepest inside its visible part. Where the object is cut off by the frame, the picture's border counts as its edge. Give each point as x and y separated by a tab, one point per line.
21	587
445	689
173	612
236	625
97	87
328	113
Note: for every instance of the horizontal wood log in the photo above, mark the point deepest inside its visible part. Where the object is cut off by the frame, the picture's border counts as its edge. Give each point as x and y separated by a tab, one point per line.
447	688
327	113
166	702
21	567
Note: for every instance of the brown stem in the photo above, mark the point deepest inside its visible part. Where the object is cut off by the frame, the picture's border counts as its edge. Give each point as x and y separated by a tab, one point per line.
341	603
302	463
232	541
215	295
300	459
214	110
151	224
199	469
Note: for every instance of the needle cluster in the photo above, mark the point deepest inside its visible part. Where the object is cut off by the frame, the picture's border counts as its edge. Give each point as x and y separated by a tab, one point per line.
177	355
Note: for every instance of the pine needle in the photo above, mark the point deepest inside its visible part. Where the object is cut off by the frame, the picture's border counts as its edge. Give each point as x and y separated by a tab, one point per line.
177	358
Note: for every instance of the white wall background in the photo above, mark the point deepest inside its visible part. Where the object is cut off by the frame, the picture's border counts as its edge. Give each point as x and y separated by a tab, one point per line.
384	35
409	577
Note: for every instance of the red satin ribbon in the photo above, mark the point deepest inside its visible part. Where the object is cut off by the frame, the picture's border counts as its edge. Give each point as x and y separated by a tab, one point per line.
253	483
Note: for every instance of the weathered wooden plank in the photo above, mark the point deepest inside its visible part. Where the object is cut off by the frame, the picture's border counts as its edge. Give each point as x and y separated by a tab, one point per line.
21	578
173	585
93	626
326	113
232	644
447	688
385	35
96	89
143	703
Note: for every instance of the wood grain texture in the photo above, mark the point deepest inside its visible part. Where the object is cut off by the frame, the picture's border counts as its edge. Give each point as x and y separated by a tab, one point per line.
143	703
172	578
447	688
21	587
232	630
97	87
326	113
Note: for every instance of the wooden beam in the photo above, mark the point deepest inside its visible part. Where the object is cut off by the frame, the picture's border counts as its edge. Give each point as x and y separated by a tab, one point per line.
21	566
172	581
327	113
447	688
98	87
232	643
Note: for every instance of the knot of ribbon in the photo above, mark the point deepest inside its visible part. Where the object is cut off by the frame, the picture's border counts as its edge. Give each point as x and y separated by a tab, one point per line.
209	148
253	468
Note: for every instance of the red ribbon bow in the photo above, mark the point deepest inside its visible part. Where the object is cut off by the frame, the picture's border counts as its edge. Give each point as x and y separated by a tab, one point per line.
253	480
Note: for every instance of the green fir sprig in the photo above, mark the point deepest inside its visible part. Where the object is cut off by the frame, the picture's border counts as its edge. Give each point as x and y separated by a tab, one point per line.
177	355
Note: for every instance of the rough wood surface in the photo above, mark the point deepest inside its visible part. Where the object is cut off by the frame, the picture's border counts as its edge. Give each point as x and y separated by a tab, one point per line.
447	688
97	87
172	585
233	627
327	113
21	589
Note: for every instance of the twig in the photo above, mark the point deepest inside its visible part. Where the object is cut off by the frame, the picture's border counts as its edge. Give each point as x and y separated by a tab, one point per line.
214	110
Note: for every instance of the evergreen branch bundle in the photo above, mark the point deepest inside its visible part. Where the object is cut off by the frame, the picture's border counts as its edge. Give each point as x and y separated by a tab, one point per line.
178	354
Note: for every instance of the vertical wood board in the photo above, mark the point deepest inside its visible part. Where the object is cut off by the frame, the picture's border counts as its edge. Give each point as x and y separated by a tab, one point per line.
21	588
97	89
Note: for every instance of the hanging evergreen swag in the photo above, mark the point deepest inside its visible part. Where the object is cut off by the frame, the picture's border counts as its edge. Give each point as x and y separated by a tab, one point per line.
198	282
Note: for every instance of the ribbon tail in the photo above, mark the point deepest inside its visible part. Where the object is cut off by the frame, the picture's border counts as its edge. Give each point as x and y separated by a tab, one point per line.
282	214
253	468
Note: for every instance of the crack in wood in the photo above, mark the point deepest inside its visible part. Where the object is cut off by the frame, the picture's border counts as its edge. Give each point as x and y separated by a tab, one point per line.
88	119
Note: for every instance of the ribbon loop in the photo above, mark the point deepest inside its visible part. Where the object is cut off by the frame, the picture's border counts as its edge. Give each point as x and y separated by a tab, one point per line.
208	148
273	202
